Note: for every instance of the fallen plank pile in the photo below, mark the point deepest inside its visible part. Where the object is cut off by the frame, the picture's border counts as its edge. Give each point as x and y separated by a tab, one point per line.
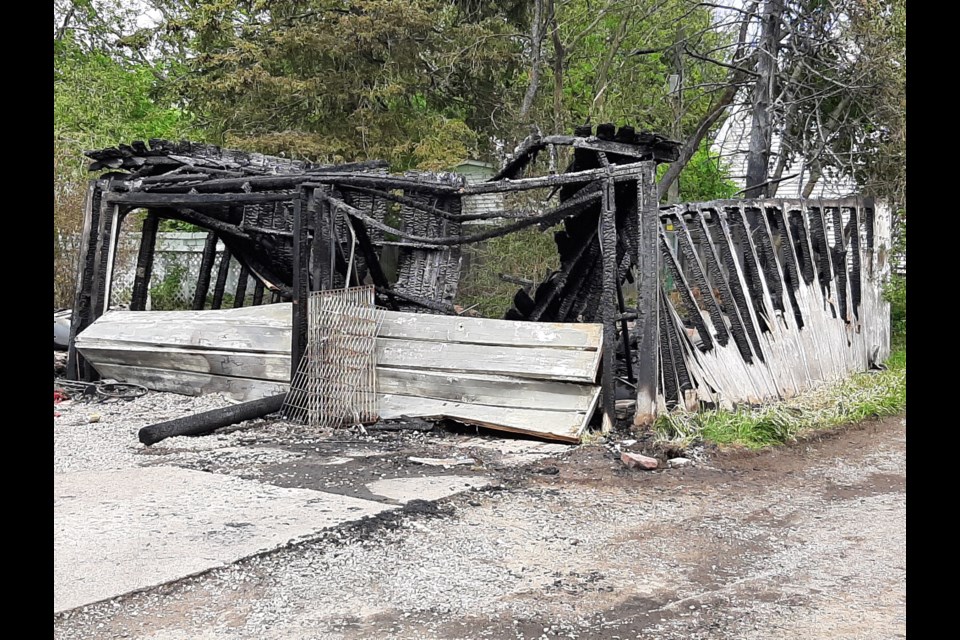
525	377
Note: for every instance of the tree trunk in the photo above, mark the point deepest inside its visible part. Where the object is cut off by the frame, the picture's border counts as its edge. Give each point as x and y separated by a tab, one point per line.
603	74
735	78
692	143
558	59
761	131
536	52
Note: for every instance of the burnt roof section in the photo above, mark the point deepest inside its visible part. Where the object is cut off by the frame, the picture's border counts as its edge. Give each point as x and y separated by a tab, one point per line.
625	143
163	157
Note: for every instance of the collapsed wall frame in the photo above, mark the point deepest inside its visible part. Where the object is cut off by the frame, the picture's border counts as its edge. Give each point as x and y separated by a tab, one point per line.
739	301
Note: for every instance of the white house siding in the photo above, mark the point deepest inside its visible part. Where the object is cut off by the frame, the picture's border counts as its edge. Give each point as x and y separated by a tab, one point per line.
732	143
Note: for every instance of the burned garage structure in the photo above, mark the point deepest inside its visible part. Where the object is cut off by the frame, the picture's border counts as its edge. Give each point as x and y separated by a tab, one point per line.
718	303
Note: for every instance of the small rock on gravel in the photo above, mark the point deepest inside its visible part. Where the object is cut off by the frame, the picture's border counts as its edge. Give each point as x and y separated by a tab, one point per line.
638	461
674	463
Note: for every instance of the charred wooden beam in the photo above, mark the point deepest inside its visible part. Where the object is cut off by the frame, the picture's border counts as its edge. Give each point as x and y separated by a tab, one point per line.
223	271
738	324
141	281
301	279
523	155
624	333
206	184
145	199
856	284
608	305
194	155
201	423
373	262
817	232
414	203
569	207
669	384
737	283
740	231
241	291
801	245
838	253
110	220
414	185
648	304
223	229
617	172
439	307
81	317
206	267
699	279
766	256
686	295
791	268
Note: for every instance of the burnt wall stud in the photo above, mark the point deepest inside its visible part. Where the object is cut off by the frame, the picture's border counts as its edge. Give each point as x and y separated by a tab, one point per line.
206	266
141	281
648	303
608	249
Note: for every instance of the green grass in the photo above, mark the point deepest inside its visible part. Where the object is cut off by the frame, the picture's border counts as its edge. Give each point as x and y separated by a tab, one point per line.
861	396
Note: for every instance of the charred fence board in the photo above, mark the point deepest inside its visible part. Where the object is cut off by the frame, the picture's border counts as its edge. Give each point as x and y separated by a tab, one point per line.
791	249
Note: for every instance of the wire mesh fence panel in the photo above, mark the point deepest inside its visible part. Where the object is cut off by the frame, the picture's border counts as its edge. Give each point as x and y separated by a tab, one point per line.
336	383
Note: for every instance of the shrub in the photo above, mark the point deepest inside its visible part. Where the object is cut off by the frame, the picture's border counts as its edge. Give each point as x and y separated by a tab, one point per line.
166	295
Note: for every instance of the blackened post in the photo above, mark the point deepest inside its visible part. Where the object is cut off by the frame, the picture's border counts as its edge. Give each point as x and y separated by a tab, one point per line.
148	243
648	286
322	258
110	219
206	266
608	304
625	333
222	272
77	368
301	277
241	291
258	293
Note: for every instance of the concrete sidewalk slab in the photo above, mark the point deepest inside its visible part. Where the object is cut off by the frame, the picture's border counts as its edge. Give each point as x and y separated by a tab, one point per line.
123	530
425	487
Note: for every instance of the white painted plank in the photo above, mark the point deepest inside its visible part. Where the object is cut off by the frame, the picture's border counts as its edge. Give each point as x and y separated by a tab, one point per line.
278	315
555	425
526	362
236	364
190	333
515	333
502	391
192	383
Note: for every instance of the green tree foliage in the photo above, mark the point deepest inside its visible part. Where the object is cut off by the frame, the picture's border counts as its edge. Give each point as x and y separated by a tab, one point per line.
98	101
703	178
619	56
410	82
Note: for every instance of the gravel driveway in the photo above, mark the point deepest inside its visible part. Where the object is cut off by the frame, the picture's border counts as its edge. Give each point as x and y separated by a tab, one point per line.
806	541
